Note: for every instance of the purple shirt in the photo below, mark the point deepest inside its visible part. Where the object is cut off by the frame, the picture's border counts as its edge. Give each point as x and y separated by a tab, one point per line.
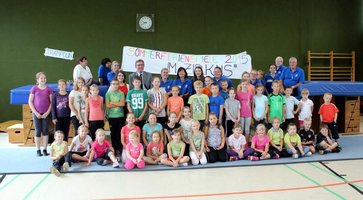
60	105
41	99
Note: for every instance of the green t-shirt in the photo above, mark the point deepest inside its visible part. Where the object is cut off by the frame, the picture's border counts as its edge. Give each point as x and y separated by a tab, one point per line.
115	96
276	104
276	136
199	103
197	140
137	100
294	140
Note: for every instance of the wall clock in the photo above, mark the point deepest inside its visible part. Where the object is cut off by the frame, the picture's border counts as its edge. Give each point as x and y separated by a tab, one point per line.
145	23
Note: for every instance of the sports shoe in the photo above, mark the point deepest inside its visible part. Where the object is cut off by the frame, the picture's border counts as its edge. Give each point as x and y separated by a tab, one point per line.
39	153
54	171
295	156
65	166
308	154
321	152
116	165
183	164
45	153
233	158
277	156
253	158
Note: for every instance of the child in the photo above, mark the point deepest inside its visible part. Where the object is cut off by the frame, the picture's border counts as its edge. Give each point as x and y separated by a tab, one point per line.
276	102
40	103
260	145
94	111
80	145
328	115
186	124
293	143
134	152
324	143
276	135
246	100
123	86
199	104
175	103
155	149
149	128
115	101
197	142
260	76
224	89
259	106
216	102
59	154
215	145
81	106
290	102
207	89
232	107
102	151
236	143
307	135
176	149
157	99
170	127
60	109
306	107
137	102
75	96
130	126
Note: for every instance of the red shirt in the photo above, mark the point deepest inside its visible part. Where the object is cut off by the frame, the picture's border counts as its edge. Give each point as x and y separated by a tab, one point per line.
328	112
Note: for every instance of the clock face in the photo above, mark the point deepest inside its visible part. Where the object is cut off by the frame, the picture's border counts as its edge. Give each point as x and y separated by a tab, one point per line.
145	22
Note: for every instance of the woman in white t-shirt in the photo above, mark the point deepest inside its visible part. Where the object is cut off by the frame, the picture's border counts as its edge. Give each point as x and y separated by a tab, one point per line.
82	70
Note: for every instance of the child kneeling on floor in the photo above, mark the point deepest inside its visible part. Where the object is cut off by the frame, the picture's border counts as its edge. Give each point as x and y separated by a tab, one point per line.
324	143
176	149
293	143
134	152
59	154
102	151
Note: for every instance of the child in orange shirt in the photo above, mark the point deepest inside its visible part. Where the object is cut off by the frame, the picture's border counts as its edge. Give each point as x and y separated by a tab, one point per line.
207	89
175	103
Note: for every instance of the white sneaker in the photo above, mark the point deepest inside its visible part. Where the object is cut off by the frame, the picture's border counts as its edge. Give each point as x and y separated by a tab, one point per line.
308	154
54	171
183	164
65	166
115	165
295	156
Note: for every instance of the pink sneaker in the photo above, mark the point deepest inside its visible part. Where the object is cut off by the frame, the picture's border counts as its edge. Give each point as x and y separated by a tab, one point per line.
253	158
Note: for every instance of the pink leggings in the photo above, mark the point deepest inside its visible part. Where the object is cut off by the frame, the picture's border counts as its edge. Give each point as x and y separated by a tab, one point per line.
130	165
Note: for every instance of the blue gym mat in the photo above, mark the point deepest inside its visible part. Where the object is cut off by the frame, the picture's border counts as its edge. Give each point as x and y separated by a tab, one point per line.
22	160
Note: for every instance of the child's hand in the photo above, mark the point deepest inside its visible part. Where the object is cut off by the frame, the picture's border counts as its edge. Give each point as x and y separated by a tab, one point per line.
279	148
207	149
134	161
175	163
264	154
240	154
38	115
55	121
45	115
302	153
294	151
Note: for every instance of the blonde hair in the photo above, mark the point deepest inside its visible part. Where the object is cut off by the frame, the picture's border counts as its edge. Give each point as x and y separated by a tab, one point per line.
198	83
37	75
94	86
100	130
328	94
57	132
261	126
307	119
134	134
82	127
62	81
75	84
305	90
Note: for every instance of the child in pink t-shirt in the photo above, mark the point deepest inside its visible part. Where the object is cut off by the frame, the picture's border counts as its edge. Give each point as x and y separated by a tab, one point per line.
246	99
102	151
130	126
155	149
134	152
260	145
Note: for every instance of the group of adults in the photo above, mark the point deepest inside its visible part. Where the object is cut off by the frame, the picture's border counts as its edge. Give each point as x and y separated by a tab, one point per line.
289	76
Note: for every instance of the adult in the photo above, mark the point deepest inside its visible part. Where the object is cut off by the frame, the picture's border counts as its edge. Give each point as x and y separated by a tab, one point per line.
103	70
293	76
218	77
269	78
165	82
115	67
280	67
184	84
253	78
145	76
82	70
198	75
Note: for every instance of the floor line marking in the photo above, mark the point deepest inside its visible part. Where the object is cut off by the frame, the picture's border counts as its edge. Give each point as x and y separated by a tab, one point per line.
36	186
8	183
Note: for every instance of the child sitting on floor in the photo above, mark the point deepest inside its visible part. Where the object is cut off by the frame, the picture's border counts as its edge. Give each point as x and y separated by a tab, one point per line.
176	149
59	154
324	142
134	152
293	143
236	144
155	149
307	135
80	145
260	144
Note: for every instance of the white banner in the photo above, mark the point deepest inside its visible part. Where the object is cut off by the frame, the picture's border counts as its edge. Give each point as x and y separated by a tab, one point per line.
55	53
233	65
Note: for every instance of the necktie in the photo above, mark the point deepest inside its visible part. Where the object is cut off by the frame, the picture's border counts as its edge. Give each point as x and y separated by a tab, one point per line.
142	82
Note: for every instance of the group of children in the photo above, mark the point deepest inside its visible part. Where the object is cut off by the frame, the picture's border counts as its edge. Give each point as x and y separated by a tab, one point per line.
160	129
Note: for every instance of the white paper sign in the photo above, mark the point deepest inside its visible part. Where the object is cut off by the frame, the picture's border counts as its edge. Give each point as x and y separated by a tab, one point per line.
233	65
55	53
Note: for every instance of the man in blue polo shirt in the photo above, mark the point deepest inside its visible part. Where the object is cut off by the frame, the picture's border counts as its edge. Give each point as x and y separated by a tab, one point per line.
280	67
293	76
218	77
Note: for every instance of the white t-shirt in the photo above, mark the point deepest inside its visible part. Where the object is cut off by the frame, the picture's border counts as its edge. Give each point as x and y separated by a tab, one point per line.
77	97
236	143
187	127
79	71
81	147
290	102
305	109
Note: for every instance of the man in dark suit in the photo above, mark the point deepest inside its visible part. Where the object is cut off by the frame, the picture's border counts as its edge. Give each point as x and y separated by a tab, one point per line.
145	76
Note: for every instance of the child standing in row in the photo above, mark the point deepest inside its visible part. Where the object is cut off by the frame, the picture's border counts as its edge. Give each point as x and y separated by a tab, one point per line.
134	152
81	106
75	97
236	143
259	106
224	89
60	109
216	102
40	103
59	154
197	142
176	149
80	146
175	103
307	135
290	101
276	102
199	104
328	115
246	100
233	108
94	111
157	100
306	107
215	145
207	90
154	150
137	102
293	143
